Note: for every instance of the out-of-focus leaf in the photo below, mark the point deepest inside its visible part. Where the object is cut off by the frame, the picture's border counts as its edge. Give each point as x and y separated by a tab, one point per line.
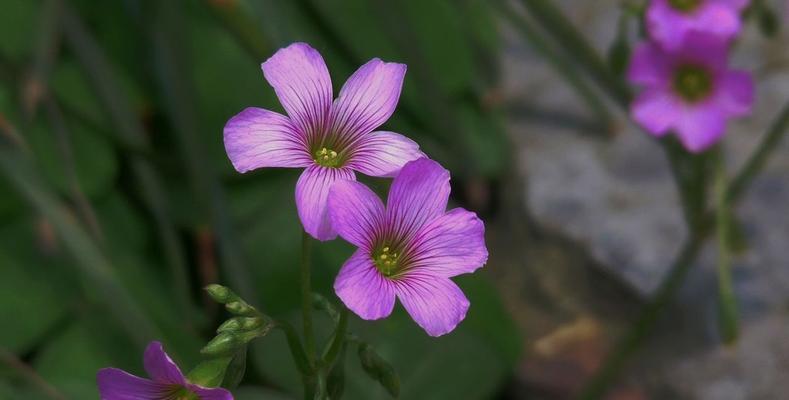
70	361
94	158
17	26
258	393
485	140
29	304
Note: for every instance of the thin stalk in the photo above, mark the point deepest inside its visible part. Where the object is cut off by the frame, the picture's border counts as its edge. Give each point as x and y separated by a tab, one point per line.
759	157
640	330
296	349
330	355
30	375
559	62
306	298
726	298
575	46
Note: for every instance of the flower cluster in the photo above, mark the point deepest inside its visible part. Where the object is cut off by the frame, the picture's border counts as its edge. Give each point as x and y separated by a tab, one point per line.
408	249
683	69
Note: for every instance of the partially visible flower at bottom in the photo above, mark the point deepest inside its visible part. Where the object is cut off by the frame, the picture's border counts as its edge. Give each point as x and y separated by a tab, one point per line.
690	90
408	249
167	381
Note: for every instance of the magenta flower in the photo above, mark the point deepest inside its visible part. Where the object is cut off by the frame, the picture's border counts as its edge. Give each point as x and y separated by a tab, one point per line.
329	139
689	90
408	249
669	20
166	383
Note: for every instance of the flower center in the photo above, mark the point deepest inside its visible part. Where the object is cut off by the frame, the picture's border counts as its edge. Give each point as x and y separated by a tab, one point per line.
181	393
327	158
684	5
386	260
692	82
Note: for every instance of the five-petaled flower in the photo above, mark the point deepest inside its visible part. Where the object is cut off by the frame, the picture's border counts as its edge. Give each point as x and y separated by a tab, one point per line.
166	383
689	90
668	21
408	249
329	139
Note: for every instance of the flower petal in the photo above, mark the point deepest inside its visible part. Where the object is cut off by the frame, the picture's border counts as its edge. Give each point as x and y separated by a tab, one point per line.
649	66
257	138
736	93
656	111
116	384
160	367
718	18
705	49
700	127
302	82
356	212
363	289
204	393
666	25
383	153
435	303
312	192
367	99
450	245
418	195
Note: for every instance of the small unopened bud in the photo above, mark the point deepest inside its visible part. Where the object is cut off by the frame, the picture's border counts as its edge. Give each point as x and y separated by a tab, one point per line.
378	369
240	308
220	293
223	344
240	324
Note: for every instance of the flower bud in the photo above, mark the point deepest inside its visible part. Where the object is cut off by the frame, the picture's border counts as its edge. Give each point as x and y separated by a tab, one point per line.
224	343
220	293
378	369
241	308
240	324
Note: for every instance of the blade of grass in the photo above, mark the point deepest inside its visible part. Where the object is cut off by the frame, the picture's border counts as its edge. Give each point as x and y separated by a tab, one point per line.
30	375
130	132
92	263
726	300
559	62
576	47
165	35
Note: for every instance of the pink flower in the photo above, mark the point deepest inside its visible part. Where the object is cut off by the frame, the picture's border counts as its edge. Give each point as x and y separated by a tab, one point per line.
689	90
409	249
668	21
167	381
330	139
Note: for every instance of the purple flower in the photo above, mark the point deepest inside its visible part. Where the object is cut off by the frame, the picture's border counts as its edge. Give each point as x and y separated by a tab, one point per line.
166	383
329	139
408	249
669	20
689	90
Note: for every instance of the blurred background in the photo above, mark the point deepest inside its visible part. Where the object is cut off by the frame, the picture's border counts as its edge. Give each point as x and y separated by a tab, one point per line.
118	203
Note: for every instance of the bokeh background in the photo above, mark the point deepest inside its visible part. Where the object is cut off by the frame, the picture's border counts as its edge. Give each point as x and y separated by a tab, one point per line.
118	203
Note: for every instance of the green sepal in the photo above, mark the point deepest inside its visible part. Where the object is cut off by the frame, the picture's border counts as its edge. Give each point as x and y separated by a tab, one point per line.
209	373
221	294
236	370
241	308
378	369
225	343
241	324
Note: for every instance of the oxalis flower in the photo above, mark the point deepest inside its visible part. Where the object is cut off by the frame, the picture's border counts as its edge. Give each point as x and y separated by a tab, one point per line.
668	21
689	90
408	249
166	383
329	139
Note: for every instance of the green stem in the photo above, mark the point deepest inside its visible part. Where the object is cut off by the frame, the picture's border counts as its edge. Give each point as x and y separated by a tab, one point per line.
330	355
561	64
306	298
296	350
756	161
576	47
641	329
728	302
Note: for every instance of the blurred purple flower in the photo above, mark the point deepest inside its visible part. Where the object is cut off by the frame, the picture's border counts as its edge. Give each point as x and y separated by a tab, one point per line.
689	90
166	383
668	21
330	139
408	249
